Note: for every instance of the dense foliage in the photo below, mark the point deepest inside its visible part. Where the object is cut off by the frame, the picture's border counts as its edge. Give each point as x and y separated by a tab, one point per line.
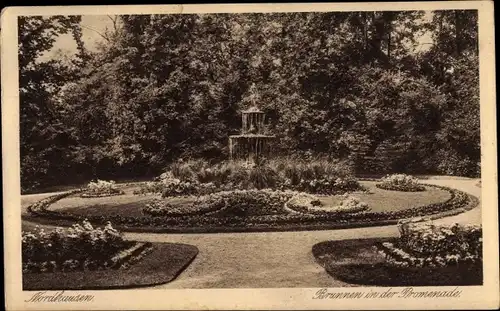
349	85
429	245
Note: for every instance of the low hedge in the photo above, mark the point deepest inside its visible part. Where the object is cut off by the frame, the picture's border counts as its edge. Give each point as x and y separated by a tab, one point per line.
458	202
101	195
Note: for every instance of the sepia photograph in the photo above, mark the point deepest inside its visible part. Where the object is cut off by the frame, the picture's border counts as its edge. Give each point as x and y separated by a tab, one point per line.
335	150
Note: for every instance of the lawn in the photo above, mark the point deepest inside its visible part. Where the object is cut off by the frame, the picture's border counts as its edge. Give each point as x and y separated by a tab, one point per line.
358	262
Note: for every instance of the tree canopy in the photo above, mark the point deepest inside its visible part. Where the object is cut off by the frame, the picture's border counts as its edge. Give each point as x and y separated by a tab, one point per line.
343	84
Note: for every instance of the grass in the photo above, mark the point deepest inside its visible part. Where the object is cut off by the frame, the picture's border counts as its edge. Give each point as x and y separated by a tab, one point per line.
358	262
160	266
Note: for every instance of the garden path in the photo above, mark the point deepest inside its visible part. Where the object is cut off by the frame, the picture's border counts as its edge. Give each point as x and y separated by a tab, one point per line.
274	259
278	259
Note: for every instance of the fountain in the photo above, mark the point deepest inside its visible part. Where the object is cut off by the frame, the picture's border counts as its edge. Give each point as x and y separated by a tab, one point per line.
253	142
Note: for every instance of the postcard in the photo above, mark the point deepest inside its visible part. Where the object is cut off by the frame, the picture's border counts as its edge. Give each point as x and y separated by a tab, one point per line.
313	156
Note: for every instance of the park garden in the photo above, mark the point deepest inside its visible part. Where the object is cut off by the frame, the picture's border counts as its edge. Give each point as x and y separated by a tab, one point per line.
291	122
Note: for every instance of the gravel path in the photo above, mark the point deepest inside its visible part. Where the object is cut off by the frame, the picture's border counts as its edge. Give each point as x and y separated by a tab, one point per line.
275	259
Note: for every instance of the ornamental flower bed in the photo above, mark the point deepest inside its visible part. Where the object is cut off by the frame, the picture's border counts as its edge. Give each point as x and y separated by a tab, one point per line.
428	245
311	205
78	248
223	218
101	188
401	182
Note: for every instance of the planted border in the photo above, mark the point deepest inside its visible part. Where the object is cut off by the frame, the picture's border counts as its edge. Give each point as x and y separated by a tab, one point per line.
101	195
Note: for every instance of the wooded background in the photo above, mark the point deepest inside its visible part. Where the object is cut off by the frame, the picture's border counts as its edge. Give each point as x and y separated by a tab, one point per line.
353	85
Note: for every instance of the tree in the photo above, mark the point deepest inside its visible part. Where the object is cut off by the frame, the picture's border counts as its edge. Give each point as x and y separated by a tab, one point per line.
43	137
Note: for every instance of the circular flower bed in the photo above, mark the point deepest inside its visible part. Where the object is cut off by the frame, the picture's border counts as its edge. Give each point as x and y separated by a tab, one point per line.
251	210
401	182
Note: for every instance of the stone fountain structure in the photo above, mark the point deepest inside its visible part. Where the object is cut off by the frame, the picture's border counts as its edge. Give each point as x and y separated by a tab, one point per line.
253	142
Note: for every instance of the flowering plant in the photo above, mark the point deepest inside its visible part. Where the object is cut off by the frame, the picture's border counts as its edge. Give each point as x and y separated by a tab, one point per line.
426	244
80	247
401	182
101	188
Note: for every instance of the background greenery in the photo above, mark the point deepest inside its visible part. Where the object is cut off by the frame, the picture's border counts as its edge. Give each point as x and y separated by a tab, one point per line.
346	85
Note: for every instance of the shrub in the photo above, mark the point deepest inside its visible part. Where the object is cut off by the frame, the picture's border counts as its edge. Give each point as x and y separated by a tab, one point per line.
101	188
79	247
400	182
426	244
